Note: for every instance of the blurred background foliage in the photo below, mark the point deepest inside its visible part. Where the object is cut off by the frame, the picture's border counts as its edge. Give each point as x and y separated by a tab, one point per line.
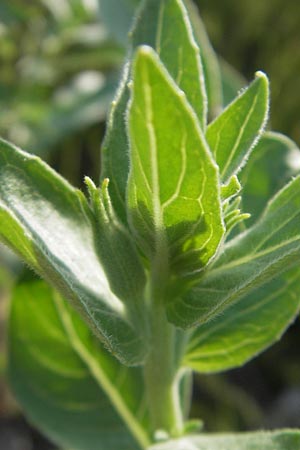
261	35
59	66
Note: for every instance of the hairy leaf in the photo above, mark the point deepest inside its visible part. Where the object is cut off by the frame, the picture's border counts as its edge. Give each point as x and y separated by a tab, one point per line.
68	384
211	67
269	248
247	327
173	192
47	222
166	28
268	170
278	440
235	131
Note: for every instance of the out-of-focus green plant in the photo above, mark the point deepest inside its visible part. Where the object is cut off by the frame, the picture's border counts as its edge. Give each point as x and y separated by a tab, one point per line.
157	286
262	34
58	70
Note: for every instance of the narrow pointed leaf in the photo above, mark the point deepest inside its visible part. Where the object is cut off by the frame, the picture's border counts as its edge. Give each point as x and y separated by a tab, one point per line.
269	248
211	67
67	383
233	134
257	320
164	25
173	192
114	152
47	222
264	440
247	327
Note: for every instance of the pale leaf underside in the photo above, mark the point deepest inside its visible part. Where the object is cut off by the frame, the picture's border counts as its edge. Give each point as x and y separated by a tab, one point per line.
46	221
70	386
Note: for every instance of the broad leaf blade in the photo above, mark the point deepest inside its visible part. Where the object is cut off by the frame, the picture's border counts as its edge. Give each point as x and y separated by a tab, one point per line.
70	387
165	27
266	250
268	170
46	221
173	192
247	327
277	440
235	131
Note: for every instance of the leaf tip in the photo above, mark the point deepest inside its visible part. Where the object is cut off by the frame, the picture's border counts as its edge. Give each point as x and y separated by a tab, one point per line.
145	50
260	75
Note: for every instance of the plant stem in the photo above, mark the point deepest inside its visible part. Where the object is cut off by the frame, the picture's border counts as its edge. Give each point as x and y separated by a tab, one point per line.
161	373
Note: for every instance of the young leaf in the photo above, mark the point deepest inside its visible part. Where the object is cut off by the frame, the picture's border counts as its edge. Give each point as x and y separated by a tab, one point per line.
262	440
247	327
269	248
68	384
173	192
47	222
164	25
211	67
117	252
233	134
114	152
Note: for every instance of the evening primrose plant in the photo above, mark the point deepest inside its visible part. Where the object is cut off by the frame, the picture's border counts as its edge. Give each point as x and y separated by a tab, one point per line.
154	273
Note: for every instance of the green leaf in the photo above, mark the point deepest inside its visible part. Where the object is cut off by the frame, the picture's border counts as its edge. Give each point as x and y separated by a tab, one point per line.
117	252
49	224
211	67
268	170
233	134
166	28
114	152
264	440
117	15
232	81
67	383
173	192
247	327
253	258
62	120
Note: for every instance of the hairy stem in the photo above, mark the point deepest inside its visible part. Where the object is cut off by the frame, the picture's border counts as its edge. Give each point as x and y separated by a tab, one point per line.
161	367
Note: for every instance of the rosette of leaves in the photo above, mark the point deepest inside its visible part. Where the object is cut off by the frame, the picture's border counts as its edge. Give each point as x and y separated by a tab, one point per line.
144	282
